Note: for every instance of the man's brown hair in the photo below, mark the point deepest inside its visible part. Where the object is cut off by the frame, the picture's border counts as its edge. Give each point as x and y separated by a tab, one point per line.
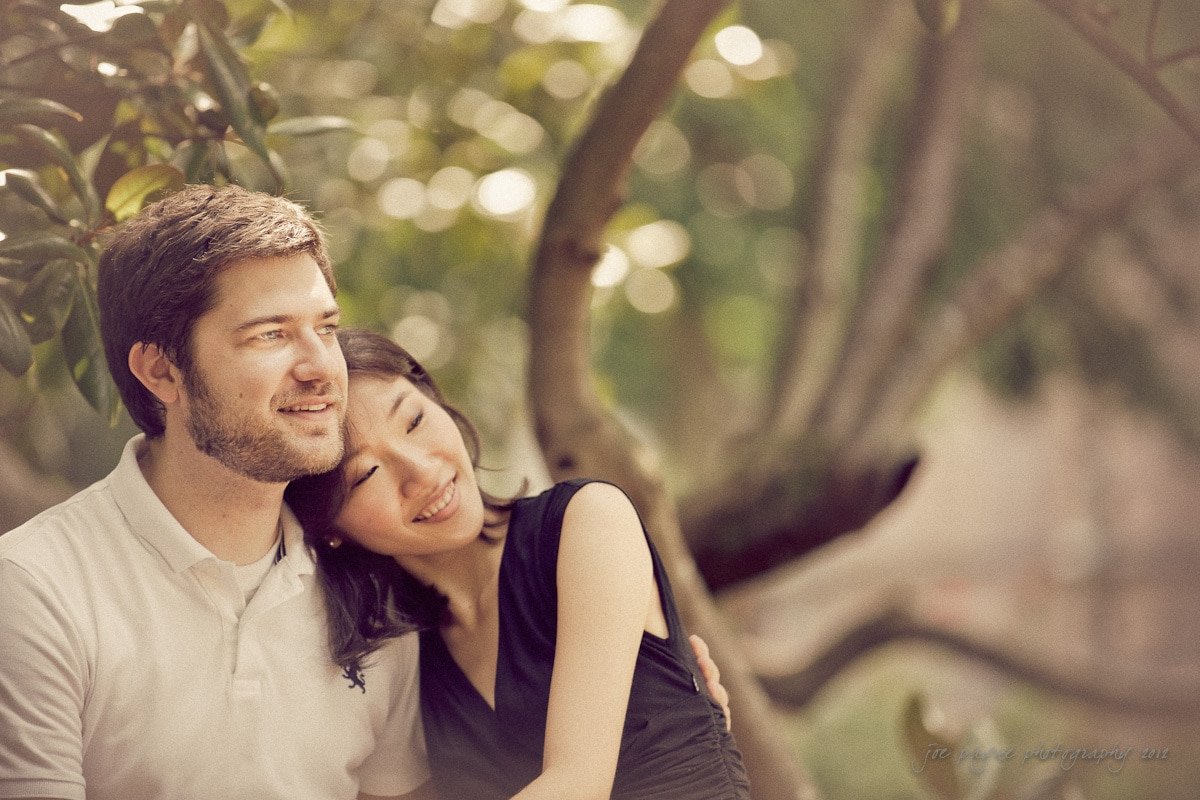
158	273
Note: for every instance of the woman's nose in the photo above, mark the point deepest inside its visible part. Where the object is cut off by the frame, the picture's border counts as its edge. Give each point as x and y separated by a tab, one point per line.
420	473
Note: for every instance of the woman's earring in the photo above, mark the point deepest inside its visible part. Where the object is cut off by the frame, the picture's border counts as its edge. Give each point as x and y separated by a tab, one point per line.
334	542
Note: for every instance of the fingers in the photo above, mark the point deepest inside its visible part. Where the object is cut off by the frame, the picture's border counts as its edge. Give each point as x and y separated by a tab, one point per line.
712	676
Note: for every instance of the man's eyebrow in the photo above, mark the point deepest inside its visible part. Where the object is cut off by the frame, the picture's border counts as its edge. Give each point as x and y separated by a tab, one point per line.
279	319
349	456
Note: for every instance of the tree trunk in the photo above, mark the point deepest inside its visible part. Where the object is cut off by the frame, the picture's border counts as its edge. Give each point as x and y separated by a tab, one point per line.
577	436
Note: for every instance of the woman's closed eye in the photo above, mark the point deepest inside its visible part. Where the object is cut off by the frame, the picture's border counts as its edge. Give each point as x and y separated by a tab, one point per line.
416	421
358	482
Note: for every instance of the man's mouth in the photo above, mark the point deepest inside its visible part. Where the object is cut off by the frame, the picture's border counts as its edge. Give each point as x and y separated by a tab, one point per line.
307	407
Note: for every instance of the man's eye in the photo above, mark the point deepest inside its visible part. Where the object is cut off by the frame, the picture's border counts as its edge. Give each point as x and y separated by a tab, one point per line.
328	330
365	475
271	336
416	421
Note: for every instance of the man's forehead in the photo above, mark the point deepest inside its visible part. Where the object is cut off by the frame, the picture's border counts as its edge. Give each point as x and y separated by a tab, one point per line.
289	287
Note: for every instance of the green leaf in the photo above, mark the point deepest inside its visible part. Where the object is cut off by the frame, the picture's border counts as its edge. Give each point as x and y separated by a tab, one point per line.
47	300
24	183
85	354
932	757
21	255
36	111
138	186
264	102
229	79
16	351
54	146
132	29
939	16
310	126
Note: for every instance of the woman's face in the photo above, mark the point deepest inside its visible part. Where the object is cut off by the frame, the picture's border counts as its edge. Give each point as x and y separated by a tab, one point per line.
411	487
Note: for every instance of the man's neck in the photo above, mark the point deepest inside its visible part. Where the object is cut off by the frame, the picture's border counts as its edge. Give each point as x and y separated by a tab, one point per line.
236	518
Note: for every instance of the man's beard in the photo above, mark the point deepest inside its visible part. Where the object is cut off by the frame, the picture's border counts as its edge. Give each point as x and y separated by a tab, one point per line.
253	448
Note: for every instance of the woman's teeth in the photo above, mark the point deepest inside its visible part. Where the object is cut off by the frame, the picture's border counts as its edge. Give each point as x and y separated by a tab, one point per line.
439	504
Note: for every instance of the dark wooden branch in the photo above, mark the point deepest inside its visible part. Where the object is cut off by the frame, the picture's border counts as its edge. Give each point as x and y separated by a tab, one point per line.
1005	280
798	689
917	231
809	501
1078	16
592	189
576	433
814	323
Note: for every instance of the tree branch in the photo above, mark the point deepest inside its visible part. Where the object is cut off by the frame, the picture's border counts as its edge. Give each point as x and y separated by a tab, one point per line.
1009	277
1176	57
814	324
916	234
1077	16
575	433
798	689
1152	29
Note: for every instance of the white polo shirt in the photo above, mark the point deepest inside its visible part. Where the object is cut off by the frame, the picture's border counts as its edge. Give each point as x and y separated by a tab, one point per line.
131	667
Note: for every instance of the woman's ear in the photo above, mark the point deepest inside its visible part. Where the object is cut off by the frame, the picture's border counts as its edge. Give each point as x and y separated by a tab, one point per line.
158	374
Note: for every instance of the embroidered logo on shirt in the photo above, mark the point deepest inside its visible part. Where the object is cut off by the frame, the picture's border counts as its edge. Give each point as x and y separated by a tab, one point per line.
356	678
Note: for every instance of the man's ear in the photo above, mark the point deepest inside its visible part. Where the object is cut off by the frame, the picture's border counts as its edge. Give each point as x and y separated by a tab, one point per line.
150	365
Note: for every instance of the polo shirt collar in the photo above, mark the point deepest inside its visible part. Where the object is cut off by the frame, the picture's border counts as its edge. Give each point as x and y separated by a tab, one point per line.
151	522
148	518
296	552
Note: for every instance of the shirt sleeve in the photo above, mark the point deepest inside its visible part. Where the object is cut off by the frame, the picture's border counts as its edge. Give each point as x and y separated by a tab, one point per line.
399	763
41	692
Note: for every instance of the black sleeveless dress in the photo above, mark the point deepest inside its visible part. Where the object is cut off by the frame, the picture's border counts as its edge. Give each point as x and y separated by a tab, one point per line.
674	744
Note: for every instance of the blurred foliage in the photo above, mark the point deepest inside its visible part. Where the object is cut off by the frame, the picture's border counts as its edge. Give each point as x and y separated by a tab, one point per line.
870	732
428	137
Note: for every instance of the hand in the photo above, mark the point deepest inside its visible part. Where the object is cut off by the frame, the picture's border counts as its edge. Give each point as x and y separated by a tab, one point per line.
712	676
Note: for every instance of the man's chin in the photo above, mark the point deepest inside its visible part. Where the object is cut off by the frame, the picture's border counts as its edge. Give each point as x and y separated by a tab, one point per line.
288	462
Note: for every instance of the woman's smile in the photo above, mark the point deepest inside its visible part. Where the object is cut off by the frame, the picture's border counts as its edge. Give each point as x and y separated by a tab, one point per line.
443	507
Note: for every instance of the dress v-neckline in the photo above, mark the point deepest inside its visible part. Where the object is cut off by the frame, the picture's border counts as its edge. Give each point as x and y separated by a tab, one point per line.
456	670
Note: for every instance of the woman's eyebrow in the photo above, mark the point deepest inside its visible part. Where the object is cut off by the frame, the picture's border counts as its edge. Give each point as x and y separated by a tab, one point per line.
399	400
349	456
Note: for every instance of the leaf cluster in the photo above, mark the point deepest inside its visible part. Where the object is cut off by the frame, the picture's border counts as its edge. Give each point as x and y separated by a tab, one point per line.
97	119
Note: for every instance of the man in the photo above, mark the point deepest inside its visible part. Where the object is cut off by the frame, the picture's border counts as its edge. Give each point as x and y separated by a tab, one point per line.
161	631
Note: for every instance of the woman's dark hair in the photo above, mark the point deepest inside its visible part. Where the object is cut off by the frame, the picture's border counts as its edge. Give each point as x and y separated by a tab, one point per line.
370	598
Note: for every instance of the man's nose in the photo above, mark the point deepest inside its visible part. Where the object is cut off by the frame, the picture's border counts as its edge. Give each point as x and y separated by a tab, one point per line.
319	359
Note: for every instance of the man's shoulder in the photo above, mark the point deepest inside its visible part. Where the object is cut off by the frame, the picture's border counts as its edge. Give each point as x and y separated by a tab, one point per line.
78	516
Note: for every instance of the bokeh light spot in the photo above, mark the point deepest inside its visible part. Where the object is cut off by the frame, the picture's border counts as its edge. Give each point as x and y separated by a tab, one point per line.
368	160
505	193
663	150
709	78
650	291
739	45
612	267
401	198
566	79
450	188
659	244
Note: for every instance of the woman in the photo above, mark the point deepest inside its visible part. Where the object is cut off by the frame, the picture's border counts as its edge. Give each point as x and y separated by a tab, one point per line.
553	662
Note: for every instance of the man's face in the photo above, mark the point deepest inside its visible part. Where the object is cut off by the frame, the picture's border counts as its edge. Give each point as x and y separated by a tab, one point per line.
266	393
